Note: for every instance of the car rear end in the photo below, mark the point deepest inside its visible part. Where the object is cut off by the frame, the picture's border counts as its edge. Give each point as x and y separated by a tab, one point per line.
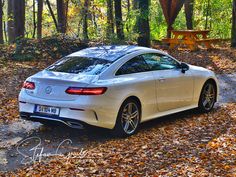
66	97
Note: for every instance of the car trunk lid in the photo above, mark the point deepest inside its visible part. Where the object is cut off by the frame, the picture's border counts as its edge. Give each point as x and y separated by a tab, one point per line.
52	85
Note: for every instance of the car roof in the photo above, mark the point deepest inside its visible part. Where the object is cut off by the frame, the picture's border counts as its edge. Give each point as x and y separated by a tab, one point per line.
109	52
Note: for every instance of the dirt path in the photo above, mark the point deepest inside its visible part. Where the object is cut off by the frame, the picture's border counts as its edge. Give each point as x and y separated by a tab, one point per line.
227	88
24	142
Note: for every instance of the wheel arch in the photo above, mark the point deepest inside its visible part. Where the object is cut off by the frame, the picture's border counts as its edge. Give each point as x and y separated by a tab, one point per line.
212	80
134	98
118	130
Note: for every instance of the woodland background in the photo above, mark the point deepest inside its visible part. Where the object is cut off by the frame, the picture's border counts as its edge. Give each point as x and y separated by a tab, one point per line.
36	33
139	21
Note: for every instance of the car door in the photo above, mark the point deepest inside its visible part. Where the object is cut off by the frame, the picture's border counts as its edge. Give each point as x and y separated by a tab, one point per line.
137	80
174	88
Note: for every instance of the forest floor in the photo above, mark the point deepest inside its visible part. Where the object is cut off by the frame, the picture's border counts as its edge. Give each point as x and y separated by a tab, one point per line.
186	143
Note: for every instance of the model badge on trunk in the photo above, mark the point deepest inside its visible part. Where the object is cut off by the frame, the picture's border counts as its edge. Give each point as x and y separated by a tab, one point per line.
48	90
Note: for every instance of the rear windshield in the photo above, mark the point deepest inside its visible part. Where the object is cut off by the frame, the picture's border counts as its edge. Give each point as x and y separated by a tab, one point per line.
80	65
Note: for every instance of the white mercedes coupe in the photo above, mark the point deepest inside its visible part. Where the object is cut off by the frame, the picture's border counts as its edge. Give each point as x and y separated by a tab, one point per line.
116	87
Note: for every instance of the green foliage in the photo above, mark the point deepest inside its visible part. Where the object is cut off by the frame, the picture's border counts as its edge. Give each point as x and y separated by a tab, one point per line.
130	25
157	21
219	19
220	14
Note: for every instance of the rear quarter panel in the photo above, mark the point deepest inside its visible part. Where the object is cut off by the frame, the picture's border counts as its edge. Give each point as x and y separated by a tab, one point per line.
140	85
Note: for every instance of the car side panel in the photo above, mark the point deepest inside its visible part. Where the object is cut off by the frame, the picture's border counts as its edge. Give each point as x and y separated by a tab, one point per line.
141	85
174	89
200	76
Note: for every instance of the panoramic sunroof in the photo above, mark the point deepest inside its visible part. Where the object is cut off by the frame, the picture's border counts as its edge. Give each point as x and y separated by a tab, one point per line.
110	53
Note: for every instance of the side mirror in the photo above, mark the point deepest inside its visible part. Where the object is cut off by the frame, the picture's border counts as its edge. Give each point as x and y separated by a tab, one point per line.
184	67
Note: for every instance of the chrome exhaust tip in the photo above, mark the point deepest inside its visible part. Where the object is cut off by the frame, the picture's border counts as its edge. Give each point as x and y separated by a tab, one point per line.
75	125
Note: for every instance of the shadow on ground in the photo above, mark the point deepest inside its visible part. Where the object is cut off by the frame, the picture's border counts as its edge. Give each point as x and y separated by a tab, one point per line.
26	142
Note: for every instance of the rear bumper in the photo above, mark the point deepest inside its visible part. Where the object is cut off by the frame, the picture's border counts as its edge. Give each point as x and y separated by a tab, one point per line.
52	119
96	111
70	117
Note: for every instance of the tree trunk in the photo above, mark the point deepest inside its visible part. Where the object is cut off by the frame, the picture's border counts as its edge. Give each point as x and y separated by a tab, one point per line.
52	14
93	16
233	40
188	8
143	23
4	22
118	19
207	13
34	20
85	20
128	16
135	4
1	22
39	19
19	18
135	8
10	22
61	16
128	6
66	4
5	30
110	19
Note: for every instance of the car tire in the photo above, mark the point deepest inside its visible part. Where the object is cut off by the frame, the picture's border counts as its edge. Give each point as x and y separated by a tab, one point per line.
128	119
208	97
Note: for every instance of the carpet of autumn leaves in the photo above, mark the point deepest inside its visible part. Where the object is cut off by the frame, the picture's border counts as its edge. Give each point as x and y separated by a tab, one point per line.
12	76
184	144
220	59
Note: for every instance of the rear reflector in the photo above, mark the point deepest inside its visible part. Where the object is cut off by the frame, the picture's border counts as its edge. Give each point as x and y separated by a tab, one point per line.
86	91
29	85
76	109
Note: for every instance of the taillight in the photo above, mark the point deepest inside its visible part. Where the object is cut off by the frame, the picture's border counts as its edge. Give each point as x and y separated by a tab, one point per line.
86	91
29	85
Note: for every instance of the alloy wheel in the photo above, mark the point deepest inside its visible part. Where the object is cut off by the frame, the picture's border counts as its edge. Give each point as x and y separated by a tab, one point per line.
208	97
130	118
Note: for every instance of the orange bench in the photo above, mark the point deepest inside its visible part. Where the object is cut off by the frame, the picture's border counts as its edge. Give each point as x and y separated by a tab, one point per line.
190	38
207	42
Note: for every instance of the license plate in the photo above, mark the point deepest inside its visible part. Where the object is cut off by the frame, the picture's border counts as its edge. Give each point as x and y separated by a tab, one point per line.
47	110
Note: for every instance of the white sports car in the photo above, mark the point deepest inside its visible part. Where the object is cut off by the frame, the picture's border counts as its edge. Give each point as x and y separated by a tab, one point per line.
116	87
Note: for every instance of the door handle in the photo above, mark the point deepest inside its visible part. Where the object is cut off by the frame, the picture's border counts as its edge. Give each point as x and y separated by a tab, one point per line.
161	79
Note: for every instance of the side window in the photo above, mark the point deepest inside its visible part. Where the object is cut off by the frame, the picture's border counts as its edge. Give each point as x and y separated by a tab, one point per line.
135	65
160	62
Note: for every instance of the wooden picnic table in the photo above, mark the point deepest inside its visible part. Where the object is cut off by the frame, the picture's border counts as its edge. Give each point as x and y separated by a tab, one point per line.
190	38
